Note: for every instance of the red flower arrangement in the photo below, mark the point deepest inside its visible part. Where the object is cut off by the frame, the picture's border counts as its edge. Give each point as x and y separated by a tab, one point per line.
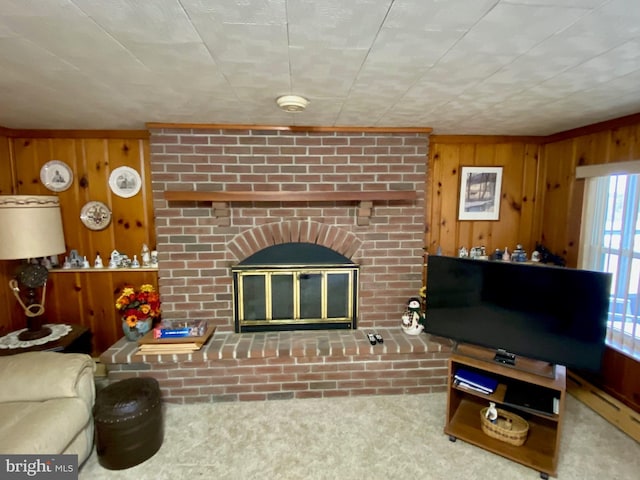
136	306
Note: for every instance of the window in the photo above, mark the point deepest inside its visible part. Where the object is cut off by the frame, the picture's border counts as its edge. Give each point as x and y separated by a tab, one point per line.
610	242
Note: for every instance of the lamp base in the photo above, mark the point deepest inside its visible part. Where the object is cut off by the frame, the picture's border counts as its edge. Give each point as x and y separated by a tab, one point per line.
29	335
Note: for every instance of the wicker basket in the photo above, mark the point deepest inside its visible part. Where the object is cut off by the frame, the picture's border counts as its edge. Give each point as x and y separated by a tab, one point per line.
509	427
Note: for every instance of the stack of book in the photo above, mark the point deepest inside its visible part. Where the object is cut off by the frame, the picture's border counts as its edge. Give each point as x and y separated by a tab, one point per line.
175	337
474	381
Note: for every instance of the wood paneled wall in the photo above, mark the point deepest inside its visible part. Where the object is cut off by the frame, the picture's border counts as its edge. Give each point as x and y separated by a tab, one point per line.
85	297
561	211
519	220
541	199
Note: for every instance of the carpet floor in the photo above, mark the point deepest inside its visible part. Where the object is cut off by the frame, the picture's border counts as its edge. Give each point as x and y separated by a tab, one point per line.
366	437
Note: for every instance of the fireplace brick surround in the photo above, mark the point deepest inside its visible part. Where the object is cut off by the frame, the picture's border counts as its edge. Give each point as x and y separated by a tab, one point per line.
198	242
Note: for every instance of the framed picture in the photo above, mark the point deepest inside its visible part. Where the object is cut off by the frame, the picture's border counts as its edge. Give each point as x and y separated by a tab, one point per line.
480	193
125	182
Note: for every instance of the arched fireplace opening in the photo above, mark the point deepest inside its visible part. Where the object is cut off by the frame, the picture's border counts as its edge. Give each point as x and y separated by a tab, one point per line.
295	286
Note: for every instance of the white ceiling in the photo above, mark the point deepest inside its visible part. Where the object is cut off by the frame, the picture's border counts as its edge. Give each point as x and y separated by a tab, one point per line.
510	67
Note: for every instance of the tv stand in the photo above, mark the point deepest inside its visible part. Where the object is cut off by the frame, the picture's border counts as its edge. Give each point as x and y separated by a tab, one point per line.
508	359
540	451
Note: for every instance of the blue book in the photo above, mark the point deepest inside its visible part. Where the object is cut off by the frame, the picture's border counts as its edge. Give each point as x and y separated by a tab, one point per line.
477	380
180	329
466	386
181	332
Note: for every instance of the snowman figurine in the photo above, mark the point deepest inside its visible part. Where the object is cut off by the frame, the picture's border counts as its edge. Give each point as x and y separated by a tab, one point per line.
413	318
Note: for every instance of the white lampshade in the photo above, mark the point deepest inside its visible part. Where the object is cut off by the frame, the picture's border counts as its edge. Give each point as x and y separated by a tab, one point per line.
30	227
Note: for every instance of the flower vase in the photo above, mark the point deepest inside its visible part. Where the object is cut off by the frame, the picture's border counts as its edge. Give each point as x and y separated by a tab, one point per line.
135	333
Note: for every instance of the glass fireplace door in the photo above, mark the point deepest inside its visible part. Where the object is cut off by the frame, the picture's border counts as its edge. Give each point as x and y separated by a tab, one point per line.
303	297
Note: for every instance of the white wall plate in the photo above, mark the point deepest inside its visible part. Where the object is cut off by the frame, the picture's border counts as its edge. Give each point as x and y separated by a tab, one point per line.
125	182
56	176
95	215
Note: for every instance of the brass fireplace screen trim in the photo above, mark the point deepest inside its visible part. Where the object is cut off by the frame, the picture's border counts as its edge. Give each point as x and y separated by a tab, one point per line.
292	289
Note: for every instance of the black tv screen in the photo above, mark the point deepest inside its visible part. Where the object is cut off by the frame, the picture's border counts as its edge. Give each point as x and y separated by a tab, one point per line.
554	314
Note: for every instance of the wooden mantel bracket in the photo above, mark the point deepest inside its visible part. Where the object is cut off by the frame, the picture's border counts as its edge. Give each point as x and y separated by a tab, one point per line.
363	213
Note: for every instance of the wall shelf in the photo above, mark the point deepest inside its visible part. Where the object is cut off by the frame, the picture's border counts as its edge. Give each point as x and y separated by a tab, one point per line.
331	196
102	270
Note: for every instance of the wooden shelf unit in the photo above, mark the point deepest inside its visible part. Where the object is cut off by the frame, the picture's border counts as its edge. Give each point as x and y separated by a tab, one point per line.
332	196
540	451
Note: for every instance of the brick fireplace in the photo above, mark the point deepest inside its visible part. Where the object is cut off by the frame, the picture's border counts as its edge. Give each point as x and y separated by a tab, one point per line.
310	188
198	242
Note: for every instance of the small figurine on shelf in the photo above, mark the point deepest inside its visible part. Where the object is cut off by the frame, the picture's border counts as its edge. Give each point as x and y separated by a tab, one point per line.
492	413
506	256
75	259
413	318
114	261
46	263
97	263
85	262
145	255
135	263
125	261
154	259
519	254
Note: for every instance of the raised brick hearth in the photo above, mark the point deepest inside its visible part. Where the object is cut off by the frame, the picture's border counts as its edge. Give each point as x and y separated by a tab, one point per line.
283	365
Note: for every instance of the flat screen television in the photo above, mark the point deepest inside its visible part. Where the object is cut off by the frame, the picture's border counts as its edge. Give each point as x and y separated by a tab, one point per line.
554	314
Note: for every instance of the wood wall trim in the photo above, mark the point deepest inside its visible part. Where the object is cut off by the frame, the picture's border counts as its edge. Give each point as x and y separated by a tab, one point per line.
289	196
594	128
133	134
291	128
485	139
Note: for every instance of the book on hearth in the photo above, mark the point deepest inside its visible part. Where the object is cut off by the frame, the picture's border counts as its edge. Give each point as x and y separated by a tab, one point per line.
180	328
197	341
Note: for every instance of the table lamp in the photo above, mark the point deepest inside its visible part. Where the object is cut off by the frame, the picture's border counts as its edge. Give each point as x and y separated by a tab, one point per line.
30	228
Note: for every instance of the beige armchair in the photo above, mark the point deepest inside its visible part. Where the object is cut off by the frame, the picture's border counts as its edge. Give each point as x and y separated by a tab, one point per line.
46	401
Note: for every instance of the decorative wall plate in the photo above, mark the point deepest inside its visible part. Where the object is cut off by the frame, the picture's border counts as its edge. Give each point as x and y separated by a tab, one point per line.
125	182
56	176
95	215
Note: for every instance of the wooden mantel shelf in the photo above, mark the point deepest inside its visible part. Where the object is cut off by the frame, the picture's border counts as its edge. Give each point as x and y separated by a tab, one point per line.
332	196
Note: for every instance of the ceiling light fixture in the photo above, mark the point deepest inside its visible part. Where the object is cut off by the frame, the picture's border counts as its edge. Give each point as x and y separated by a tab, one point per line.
292	103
